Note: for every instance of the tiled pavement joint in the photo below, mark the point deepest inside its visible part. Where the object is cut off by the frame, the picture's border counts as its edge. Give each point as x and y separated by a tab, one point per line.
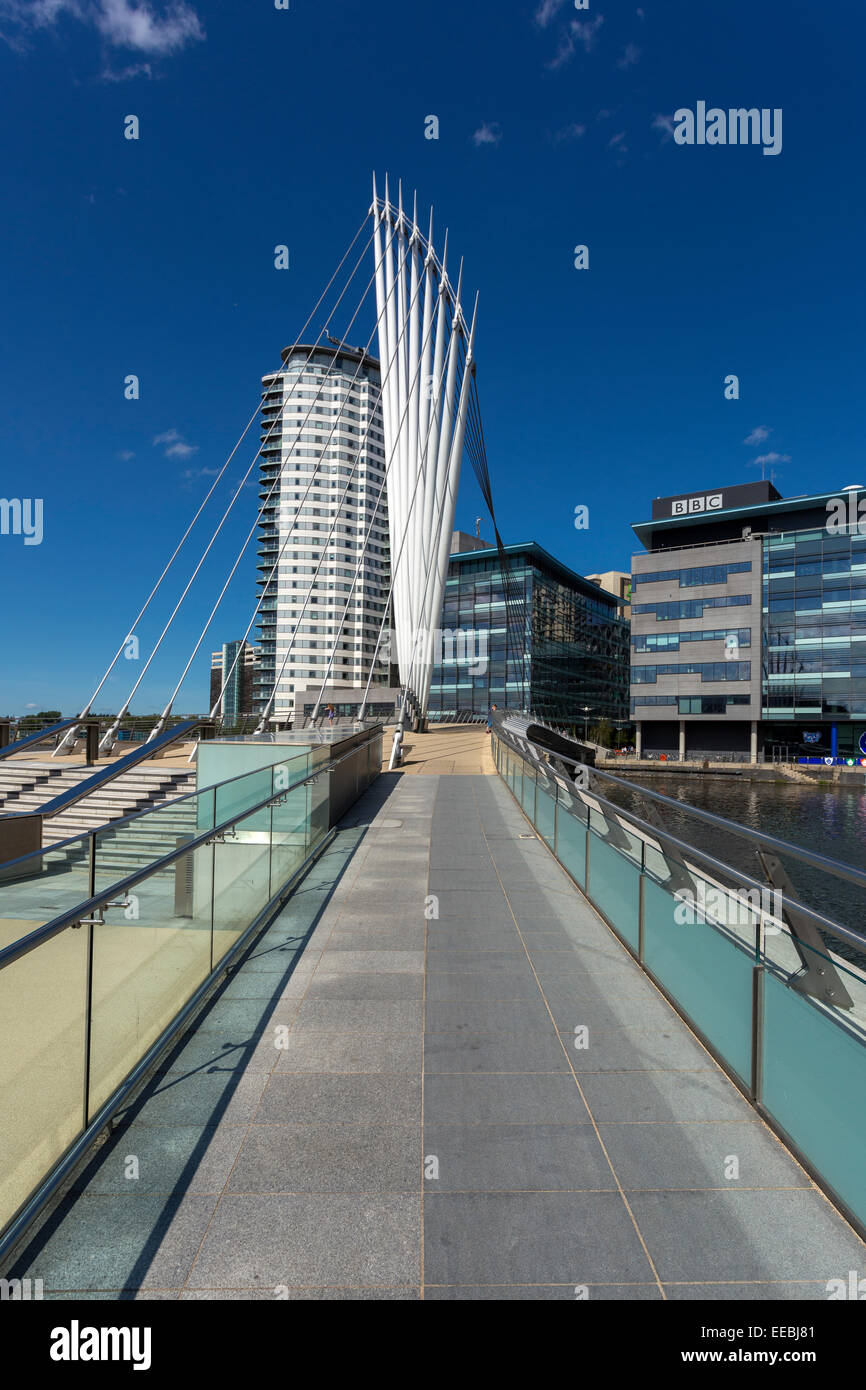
293	1171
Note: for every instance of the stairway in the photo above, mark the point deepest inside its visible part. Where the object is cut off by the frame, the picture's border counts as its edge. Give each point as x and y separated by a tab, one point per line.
137	843
791	773
26	787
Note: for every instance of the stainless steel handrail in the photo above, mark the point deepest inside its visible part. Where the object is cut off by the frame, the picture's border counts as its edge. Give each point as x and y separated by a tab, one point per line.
38	736
109	771
174	801
759	837
87	907
656	833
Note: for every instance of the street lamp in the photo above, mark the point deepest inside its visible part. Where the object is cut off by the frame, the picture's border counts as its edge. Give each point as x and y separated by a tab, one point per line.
586	709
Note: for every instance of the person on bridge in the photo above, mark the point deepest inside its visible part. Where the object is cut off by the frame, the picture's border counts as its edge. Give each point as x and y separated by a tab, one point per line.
490	719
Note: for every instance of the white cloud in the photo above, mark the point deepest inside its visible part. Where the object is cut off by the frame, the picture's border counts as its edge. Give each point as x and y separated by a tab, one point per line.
127	73
175	446
128	25
489	133
616	140
126	455
771	458
190	475
630	55
547	12
585	31
666	125
139	25
578	31
758	435
568	133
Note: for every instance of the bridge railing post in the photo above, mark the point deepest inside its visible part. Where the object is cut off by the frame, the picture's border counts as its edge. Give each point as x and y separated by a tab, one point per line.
91	733
756	1079
641	902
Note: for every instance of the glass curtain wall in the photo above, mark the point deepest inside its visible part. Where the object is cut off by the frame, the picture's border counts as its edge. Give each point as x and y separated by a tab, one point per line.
815	627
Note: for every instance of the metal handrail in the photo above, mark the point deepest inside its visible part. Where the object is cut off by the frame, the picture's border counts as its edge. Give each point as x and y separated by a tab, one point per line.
136	815
90	905
37	737
109	771
655	833
760	837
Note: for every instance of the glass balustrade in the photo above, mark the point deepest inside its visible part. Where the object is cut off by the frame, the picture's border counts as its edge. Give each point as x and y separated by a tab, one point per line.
82	1008
784	1010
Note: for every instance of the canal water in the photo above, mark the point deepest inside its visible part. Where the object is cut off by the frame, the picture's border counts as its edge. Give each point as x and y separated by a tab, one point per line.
828	820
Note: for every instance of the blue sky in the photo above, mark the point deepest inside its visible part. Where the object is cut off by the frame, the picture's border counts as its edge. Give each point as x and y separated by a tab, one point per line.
261	127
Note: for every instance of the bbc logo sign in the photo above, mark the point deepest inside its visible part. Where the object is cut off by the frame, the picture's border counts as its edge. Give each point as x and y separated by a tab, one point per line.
687	505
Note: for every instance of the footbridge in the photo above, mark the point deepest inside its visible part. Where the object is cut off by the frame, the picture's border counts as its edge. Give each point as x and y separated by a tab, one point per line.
517	1033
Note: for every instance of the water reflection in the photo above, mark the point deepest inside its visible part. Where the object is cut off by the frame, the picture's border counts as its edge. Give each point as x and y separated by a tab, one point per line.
828	820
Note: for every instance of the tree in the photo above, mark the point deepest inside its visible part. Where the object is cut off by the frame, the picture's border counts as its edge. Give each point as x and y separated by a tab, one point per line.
45	716
602	733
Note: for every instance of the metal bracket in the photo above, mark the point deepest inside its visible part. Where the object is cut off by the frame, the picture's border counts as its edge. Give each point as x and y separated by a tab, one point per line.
99	919
223	836
681	879
819	977
582	780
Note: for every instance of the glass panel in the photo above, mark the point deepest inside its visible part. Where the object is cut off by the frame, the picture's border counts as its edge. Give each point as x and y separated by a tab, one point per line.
545	813
127	849
290	835
844	959
571	840
814	1086
233	798
606	825
319	810
42	1008
527	794
614	888
241	877
704	970
43	888
148	959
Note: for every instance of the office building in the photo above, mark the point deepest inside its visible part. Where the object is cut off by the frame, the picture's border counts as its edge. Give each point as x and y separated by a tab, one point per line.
748	628
237	674
323	454
563	653
615	582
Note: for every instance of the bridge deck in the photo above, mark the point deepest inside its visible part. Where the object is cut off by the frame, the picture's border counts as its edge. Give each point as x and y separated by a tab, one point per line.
446	1047
446	750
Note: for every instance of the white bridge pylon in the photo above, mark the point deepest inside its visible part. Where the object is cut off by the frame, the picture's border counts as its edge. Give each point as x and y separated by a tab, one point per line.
426	394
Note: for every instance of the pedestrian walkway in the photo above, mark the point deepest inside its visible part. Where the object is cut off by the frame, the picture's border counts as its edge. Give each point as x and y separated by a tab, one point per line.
446	750
439	1075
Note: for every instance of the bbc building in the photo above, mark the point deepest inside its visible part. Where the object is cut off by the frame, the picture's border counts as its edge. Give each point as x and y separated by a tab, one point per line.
748	626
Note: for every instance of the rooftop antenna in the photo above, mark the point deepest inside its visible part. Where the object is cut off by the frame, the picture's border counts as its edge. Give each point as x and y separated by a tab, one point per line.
478	528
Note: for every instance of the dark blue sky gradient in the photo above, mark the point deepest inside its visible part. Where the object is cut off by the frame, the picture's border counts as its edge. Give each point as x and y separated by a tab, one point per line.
602	387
